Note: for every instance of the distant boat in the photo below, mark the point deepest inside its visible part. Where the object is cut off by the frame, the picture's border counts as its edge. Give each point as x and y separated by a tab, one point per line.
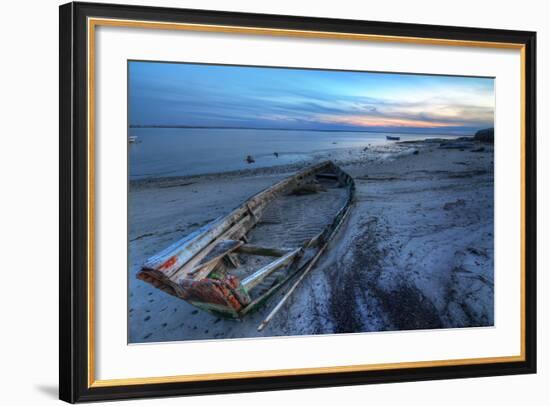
392	138
132	139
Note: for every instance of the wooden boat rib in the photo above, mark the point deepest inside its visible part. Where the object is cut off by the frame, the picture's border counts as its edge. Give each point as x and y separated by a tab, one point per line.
233	264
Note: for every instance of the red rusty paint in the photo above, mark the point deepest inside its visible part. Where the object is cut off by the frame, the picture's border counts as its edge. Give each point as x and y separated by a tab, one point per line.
210	291
229	297
201	291
234	284
168	263
223	292
232	281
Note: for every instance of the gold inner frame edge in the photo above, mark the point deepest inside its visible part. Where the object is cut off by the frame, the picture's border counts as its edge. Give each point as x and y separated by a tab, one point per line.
94	22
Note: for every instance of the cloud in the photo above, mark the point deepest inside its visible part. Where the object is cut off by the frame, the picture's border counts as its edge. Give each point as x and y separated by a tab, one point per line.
188	94
381	113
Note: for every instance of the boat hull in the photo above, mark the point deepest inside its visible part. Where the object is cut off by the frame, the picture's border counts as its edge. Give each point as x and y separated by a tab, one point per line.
234	264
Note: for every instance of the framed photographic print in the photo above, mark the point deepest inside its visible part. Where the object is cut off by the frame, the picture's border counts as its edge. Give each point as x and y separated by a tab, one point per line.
257	202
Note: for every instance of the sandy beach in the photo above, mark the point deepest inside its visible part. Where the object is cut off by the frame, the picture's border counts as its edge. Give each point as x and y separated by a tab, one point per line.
416	251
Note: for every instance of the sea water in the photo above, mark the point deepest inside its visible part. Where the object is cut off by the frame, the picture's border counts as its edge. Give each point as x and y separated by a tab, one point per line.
161	152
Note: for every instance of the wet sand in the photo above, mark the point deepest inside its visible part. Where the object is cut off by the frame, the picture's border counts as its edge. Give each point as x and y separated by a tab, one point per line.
416	251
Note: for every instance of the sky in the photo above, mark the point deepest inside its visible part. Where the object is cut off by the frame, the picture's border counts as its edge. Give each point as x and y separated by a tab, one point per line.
238	96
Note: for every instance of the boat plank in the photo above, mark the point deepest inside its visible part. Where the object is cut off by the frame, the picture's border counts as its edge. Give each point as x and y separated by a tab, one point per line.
221	249
257	277
263	251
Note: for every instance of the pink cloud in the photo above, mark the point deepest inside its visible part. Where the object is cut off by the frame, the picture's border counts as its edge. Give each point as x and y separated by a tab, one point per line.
386	122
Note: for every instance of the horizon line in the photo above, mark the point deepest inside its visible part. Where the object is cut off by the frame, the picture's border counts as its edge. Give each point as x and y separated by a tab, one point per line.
289	129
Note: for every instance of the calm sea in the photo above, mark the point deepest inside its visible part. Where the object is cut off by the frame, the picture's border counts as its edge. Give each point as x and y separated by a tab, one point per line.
188	151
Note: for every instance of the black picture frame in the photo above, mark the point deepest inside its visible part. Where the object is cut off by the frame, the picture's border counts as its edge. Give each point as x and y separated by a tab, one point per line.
74	385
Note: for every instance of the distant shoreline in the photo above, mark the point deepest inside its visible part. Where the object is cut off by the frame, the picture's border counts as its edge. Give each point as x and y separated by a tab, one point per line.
294	129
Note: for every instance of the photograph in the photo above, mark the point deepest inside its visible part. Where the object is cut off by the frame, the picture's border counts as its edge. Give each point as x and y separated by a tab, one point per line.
272	201
261	200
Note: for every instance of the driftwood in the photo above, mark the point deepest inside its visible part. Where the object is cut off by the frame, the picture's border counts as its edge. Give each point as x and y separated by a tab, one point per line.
265	251
199	268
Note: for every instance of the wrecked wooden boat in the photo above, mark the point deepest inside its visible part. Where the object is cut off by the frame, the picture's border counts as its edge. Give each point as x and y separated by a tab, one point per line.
392	138
232	265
